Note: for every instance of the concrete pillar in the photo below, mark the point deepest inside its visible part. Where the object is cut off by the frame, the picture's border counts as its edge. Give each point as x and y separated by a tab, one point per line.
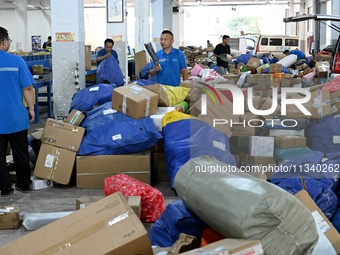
176	29
335	11
303	32
323	27
68	53
116	29
161	11
316	9
21	37
142	24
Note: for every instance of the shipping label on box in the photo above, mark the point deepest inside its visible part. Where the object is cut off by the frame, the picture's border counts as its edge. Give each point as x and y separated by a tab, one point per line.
162	95
320	219
75	118
62	135
9	217
77	232
261	146
322	69
287	142
93	170
55	164
134	101
335	108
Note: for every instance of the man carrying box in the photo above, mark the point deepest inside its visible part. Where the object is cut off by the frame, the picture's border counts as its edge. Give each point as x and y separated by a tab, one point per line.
16	80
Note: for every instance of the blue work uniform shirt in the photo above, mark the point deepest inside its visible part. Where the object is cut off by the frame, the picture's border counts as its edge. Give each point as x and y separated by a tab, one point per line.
298	53
102	52
171	67
14	75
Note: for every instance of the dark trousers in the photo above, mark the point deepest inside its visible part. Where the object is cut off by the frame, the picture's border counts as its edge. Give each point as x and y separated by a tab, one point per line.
19	145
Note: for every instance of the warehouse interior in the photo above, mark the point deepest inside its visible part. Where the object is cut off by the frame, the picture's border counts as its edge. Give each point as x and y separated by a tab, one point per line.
238	160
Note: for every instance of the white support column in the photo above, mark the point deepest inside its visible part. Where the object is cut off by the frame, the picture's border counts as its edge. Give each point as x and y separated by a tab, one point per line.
161	19
323	27
117	31
335	11
68	53
176	29
142	24
22	40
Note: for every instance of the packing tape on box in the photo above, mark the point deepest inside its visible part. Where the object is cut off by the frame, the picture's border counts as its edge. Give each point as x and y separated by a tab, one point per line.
136	90
319	104
86	233
51	161
323	67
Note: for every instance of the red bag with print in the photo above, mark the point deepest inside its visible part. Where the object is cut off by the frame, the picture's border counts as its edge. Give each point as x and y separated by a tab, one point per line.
152	201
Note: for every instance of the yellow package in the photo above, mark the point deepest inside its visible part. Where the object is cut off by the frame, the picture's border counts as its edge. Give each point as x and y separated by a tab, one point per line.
175	95
175	116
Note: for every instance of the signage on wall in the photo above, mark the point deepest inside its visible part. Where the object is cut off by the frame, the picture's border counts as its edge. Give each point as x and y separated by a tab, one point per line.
156	39
116	38
64	37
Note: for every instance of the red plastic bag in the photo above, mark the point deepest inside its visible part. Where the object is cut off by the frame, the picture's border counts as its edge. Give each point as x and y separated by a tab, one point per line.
333	85
152	201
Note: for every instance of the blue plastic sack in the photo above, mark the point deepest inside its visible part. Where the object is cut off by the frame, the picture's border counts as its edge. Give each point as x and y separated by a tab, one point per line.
191	138
310	165
319	191
144	73
273	60
86	99
109	70
215	67
284	70
321	133
284	154
143	82
175	219
244	58
264	58
109	132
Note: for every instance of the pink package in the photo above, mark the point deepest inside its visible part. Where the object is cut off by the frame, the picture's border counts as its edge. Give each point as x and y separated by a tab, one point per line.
309	77
196	70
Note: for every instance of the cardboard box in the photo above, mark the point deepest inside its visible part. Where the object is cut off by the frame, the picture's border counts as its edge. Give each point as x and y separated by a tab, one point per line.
75	118
263	92
159	167
266	105
287	142
55	164
306	71
321	104
231	77
140	61
256	103
335	94
89	231
62	135
261	146
230	246
286	132
234	71
9	217
264	80
87	57
275	68
292	111
93	170
162	95
320	219
158	147
133	201
134	101
240	130
264	161
252	64
322	69
248	116
240	65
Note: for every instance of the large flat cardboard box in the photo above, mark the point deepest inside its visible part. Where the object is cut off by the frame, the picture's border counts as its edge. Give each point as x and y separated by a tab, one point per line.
9	217
240	130
159	167
322	69
55	164
75	117
231	247
108	226
133	201
93	170
134	101
321	103
320	219
264	161
287	142
87	57
140	61
62	135
261	146
252	64
162	95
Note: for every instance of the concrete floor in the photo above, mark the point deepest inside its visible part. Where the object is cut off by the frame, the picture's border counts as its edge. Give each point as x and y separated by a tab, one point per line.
60	198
